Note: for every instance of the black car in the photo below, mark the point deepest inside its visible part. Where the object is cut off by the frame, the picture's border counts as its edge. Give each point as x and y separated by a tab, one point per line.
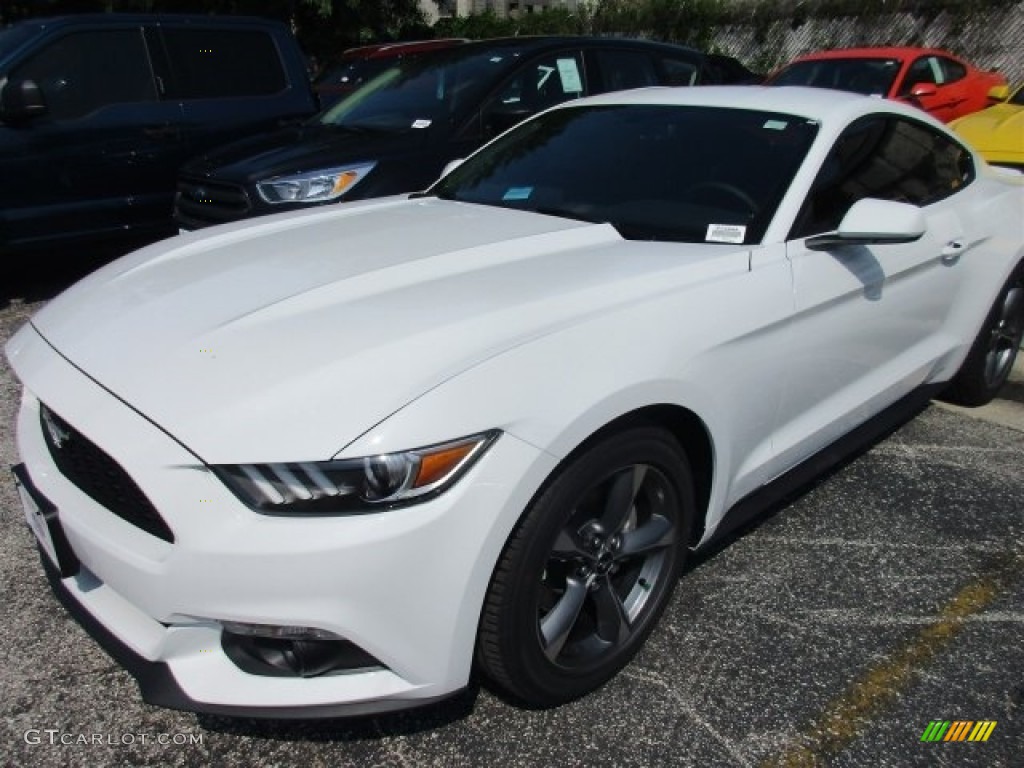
99	111
397	132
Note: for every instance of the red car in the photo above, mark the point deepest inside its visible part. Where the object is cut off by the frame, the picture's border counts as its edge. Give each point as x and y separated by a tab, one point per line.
934	80
357	65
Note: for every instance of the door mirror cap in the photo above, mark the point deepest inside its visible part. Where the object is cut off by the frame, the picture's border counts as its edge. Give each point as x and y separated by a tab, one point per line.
873	222
999	92
21	100
923	89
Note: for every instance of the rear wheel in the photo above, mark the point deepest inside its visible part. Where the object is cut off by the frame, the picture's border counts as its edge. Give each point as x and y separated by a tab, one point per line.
994	351
588	570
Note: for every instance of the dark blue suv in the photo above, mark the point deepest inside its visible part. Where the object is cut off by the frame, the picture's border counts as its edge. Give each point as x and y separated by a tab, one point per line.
97	112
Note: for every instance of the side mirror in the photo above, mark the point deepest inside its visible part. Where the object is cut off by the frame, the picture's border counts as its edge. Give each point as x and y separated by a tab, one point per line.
873	222
923	89
999	92
21	100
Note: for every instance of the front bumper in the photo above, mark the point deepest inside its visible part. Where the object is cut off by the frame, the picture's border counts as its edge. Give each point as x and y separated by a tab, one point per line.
405	586
159	687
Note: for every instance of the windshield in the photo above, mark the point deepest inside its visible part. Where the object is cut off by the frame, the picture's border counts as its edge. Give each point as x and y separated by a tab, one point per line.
1018	97
349	73
685	174
868	76
418	92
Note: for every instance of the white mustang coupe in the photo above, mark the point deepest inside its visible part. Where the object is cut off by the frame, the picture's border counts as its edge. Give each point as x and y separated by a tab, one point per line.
323	463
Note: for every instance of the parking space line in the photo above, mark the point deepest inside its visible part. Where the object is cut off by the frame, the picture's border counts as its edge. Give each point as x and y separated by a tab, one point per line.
851	714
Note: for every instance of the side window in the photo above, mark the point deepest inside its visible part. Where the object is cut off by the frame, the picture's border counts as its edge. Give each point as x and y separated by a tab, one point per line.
84	71
621	70
543	83
886	158
925	70
952	70
677	72
222	63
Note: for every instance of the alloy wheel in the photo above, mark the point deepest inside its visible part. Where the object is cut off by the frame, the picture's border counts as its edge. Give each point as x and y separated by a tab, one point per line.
607	560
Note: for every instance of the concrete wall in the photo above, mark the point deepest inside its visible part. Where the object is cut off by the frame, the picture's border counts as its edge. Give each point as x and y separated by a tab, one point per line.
988	39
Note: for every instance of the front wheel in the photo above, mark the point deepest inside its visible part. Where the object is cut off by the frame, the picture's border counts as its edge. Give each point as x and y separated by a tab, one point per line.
588	571
988	364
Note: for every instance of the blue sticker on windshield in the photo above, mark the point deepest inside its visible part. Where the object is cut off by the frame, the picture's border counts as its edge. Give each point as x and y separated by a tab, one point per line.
518	193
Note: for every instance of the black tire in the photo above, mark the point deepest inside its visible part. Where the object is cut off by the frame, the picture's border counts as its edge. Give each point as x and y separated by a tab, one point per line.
588	570
992	355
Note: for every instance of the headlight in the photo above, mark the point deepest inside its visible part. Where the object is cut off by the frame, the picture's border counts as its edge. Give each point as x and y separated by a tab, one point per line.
315	186
369	484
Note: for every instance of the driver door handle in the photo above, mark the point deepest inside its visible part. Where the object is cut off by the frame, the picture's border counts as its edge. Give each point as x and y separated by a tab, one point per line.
952	251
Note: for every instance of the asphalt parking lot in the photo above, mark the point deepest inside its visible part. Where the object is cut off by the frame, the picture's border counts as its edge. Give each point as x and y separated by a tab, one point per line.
887	596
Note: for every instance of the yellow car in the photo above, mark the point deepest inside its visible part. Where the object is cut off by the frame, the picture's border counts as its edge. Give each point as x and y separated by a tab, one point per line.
997	132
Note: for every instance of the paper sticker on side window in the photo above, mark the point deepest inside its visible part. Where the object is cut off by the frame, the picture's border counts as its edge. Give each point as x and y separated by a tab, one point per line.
569	73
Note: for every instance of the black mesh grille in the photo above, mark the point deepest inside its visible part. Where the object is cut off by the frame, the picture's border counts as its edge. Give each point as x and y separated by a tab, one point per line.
99	476
200	203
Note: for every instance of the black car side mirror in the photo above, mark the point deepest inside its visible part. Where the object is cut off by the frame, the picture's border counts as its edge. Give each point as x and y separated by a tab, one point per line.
21	101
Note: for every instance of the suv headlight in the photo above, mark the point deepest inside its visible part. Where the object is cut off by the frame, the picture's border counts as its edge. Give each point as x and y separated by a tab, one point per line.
369	484
314	186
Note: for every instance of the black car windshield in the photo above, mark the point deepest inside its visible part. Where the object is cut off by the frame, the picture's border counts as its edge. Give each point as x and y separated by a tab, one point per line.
420	92
654	172
859	75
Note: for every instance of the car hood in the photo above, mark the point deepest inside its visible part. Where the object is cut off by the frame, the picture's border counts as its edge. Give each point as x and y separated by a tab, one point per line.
996	129
287	339
300	149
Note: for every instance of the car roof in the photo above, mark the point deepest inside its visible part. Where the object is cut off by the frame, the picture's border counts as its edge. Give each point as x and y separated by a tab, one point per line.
873	52
109	19
819	104
514	48
385	50
541	43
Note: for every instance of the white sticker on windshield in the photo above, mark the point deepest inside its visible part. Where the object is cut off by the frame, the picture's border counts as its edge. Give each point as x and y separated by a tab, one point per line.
518	193
776	125
421	123
569	73
726	233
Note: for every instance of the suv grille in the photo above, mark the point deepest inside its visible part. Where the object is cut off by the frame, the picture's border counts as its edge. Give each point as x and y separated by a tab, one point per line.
199	203
98	476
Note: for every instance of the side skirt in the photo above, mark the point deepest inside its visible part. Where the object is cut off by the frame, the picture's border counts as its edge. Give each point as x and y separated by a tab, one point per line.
758	506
